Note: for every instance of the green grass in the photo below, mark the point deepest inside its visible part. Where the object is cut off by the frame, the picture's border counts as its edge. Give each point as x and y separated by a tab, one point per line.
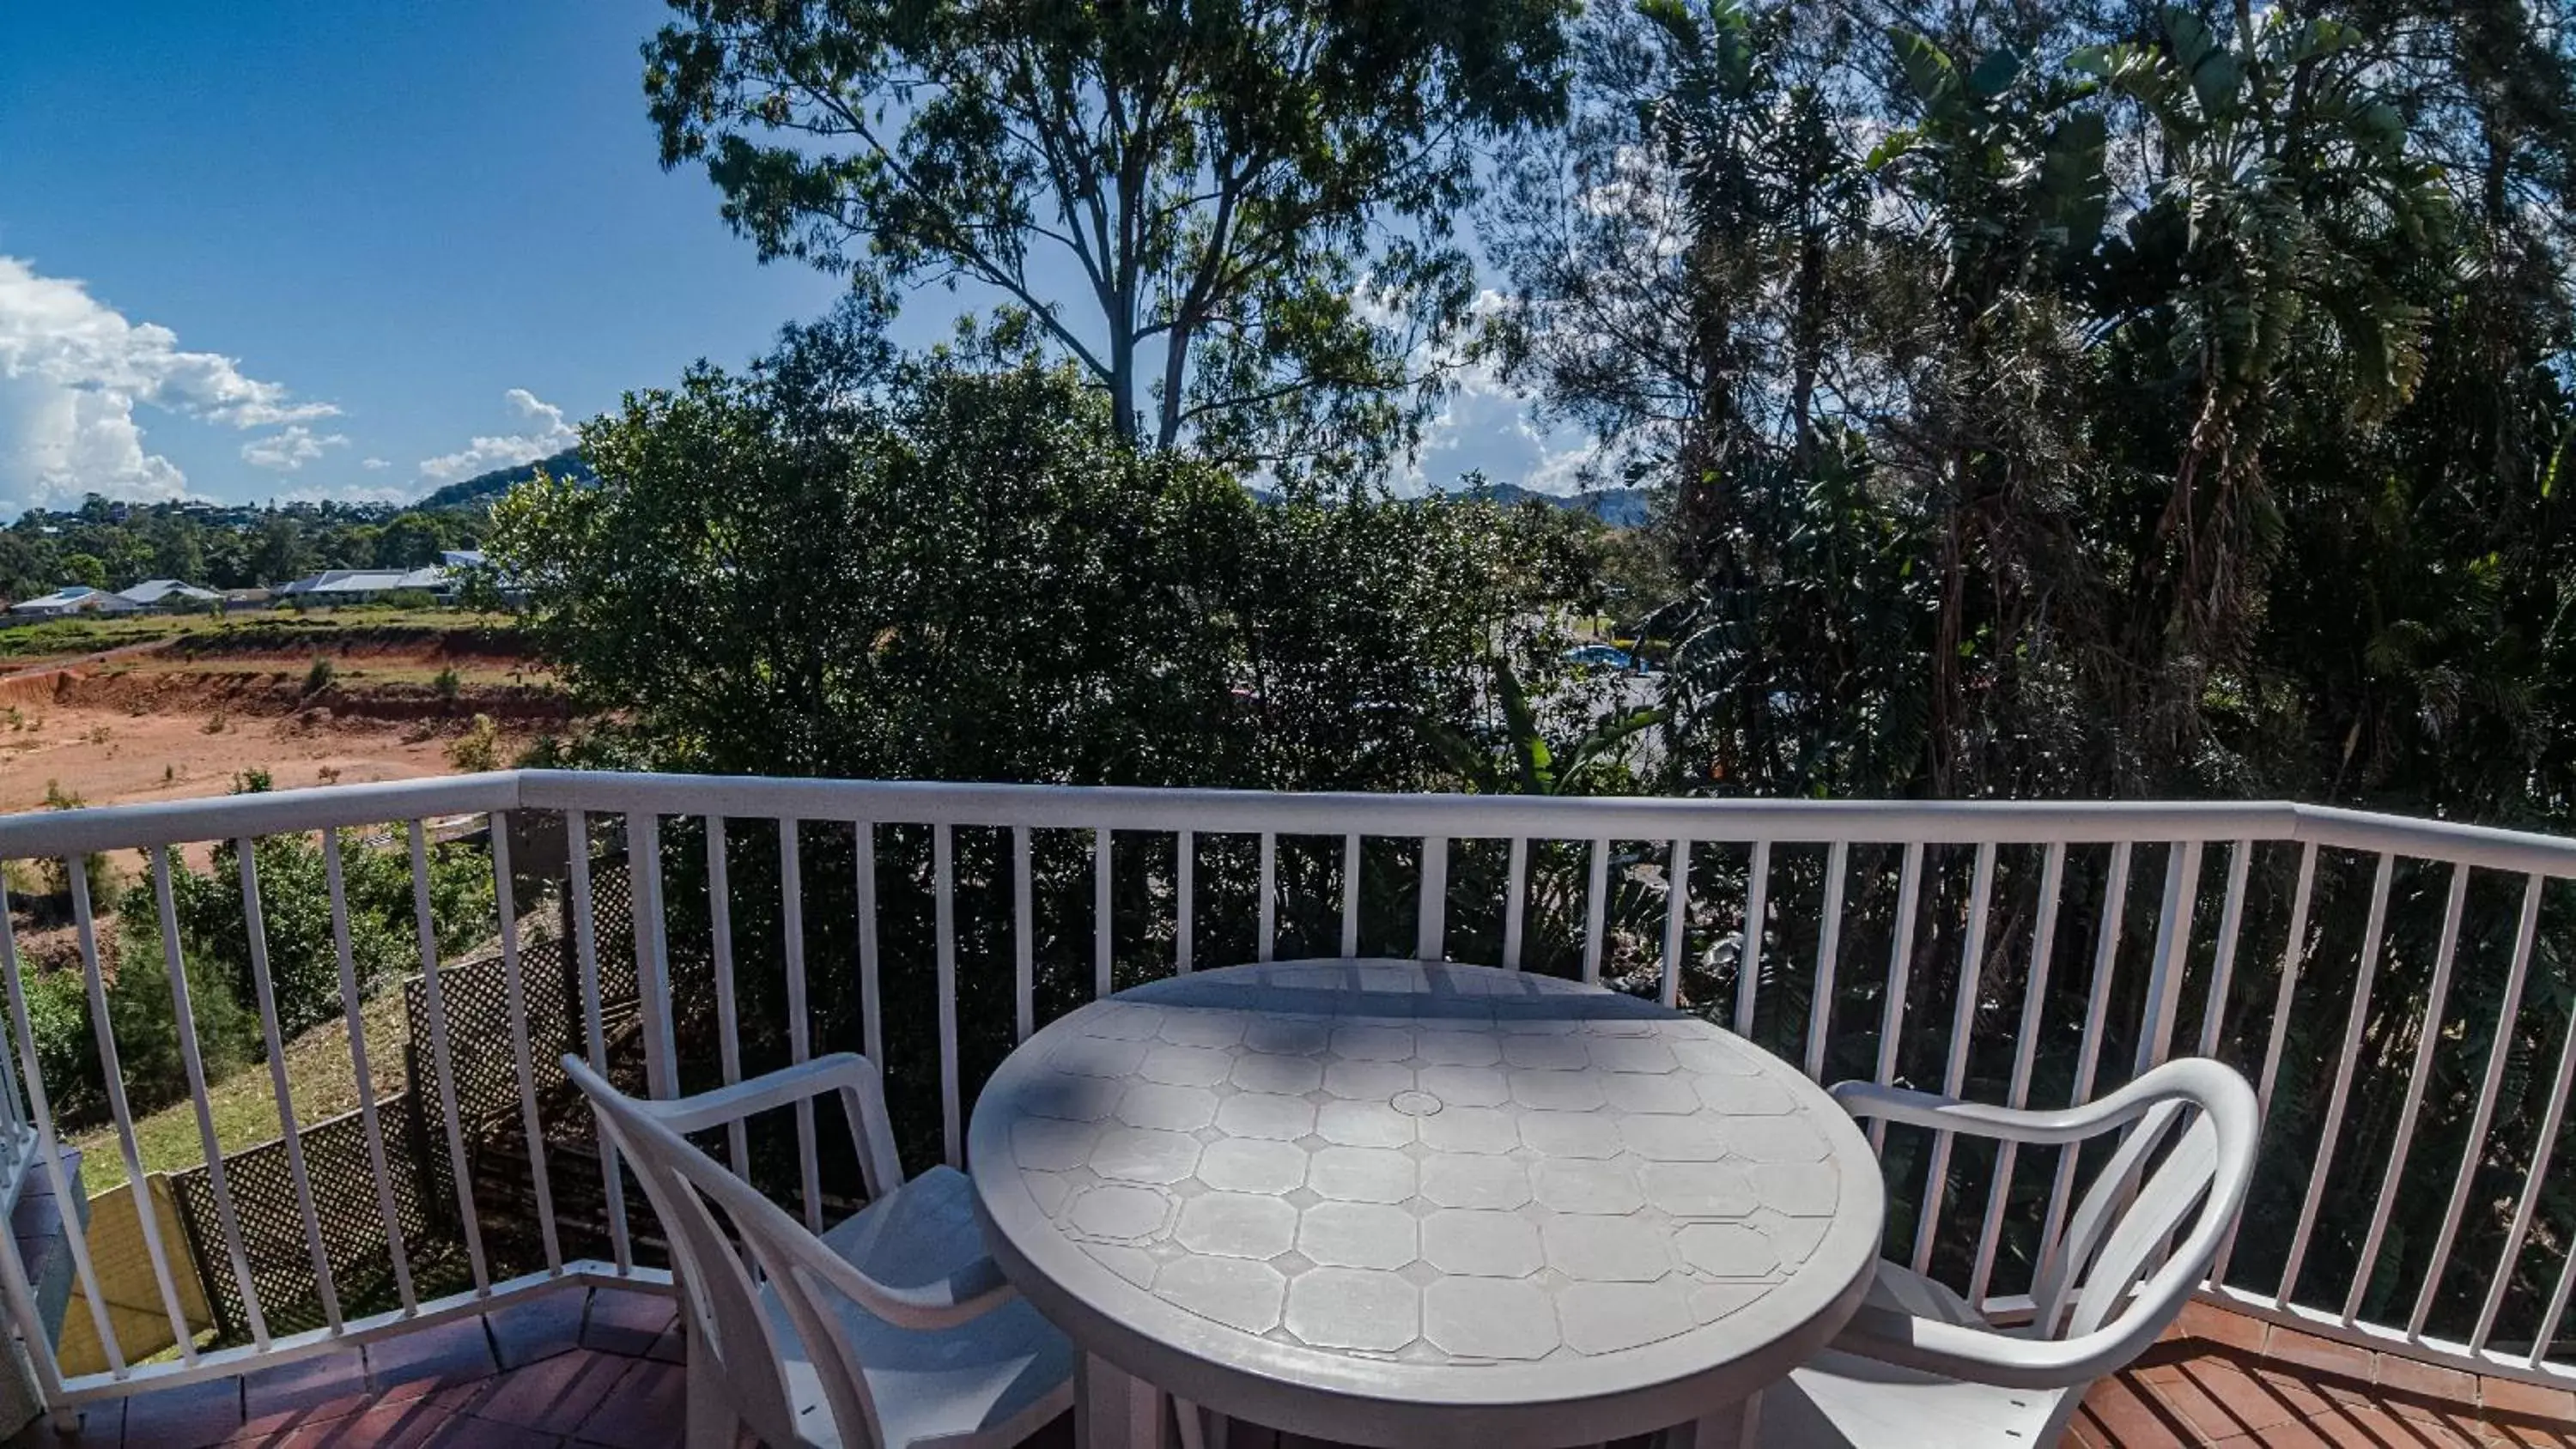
244	1105
26	645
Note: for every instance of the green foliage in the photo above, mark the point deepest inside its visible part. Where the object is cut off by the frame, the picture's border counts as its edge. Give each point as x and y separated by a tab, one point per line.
318	677
1246	188
295	912
479	748
66	1049
956	569
117	545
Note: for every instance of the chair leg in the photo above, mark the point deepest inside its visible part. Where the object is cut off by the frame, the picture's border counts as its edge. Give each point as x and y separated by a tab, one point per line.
1737	1426
712	1422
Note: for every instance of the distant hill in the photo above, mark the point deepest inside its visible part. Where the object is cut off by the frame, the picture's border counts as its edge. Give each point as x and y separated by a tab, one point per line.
483	487
1618	507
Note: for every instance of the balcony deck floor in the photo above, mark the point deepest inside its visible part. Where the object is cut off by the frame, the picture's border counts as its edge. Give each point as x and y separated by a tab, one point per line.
602	1369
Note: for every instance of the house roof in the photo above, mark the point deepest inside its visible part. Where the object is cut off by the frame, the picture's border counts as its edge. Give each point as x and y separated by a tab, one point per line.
367	581
154	591
70	597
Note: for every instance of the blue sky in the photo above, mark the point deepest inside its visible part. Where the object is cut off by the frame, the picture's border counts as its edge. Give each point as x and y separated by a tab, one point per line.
298	249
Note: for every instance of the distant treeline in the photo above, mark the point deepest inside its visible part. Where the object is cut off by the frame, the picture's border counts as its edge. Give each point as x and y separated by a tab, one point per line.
111	545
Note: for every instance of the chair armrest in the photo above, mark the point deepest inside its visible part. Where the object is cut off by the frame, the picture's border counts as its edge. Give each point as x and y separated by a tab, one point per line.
967	1294
722	1106
2054	1125
1985	1356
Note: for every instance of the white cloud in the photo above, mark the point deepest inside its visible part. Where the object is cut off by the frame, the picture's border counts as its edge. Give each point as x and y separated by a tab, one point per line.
1486	426
288	450
551	435
72	372
374	465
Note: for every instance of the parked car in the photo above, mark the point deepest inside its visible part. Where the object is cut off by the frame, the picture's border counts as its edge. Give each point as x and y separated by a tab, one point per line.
1602	656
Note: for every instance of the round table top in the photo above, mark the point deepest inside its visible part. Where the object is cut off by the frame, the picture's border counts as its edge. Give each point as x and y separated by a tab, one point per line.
1394	1202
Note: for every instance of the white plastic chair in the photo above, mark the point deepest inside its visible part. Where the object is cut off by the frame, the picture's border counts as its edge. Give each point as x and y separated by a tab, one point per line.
892	1329
1918	1367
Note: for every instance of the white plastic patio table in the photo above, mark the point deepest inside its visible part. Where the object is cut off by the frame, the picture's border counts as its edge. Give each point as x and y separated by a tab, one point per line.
1408	1204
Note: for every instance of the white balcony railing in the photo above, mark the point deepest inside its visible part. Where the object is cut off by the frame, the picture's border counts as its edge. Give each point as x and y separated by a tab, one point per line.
2400	991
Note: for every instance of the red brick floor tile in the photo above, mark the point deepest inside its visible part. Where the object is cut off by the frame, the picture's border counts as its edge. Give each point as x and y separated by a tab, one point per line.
553	1395
2531	1401
2217	1325
2219	1397
625	1321
671	1347
308	1391
645	1410
2324	1355
2125	1415
535	1328
2428	1381
190	1416
2522	1433
98	1427
404	1424
455	1352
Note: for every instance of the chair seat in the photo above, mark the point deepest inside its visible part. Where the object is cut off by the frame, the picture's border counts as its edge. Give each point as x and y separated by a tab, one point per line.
1841	1401
993	1378
1902	1290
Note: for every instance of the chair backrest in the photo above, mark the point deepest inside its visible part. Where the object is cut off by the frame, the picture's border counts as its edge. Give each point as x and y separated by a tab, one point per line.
696	1199
2141	1236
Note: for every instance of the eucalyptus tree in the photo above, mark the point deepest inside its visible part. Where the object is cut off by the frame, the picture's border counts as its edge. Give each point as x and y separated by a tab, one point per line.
1234	217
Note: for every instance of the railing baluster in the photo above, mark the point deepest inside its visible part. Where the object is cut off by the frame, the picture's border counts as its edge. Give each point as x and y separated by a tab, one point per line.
652	952
183	1012
1103	944
40	1111
1748	954
943	875
1350	896
1954	1071
1900	978
514	991
1676	923
353	1016
264	996
86	929
2222	972
1185	865
2172	953
2475	1152
800	1029
442	1064
2333	1130
728	1011
2426	1034
2553	1117
585	951
871	1001
2557	1313
1515	902
1829	944
1024	970
1431	923
1595	911
2088	1057
1268	912
2043	951
2294	951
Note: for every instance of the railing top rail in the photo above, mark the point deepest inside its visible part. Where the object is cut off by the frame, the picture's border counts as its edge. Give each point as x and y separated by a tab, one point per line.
272	812
1895	822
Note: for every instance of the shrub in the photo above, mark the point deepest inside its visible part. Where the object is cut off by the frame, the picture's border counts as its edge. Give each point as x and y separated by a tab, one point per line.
447	686
319	677
66	1049
479	748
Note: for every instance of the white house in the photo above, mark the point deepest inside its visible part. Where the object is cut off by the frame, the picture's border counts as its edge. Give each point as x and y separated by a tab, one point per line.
168	594
351	586
76	599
